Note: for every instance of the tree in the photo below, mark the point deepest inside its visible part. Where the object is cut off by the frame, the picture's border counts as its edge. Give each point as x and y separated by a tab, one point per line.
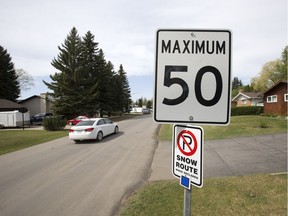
236	86
149	104
112	89
236	83
271	73
104	74
85	83
140	102
124	90
267	77
91	77
69	85
282	67
25	80
9	85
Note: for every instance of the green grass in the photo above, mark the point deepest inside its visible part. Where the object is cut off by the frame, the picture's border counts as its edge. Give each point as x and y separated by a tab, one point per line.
239	126
13	140
244	195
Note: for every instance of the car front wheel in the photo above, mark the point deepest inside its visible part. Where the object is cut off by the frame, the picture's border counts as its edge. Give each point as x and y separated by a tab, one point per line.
116	130
99	136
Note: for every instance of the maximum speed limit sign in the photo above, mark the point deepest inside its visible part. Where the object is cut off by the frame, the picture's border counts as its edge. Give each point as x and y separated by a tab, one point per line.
193	76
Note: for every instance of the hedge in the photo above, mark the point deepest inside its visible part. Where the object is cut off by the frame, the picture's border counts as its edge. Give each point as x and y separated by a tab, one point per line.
247	110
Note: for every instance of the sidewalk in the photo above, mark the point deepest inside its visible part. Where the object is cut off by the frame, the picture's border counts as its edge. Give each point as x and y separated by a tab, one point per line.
230	157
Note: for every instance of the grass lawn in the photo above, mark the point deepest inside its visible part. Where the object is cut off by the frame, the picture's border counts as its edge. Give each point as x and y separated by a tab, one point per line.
244	195
239	126
13	140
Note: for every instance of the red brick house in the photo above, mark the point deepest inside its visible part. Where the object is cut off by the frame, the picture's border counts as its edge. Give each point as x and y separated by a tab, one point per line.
276	98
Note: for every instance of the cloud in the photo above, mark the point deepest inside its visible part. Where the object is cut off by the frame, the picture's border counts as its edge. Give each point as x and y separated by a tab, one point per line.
126	30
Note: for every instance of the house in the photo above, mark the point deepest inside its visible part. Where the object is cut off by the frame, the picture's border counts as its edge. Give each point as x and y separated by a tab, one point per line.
276	98
248	99
38	104
13	114
6	105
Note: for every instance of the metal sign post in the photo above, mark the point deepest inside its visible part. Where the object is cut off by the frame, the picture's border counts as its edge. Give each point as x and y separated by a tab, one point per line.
187	201
188	160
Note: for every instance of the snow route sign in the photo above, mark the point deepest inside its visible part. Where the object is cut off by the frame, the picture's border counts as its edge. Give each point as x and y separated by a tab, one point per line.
188	153
192	76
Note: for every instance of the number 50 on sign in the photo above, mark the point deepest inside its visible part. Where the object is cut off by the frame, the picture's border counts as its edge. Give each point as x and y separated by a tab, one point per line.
193	76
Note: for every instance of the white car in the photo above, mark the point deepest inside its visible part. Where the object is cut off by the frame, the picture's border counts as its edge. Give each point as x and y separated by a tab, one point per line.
93	128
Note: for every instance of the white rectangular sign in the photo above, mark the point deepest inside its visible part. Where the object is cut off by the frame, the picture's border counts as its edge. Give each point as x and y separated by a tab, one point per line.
193	76
188	153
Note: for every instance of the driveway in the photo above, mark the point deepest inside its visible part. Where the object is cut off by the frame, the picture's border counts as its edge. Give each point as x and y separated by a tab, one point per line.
230	157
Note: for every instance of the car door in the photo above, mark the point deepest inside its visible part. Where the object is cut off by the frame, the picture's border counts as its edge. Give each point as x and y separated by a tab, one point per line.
110	126
103	127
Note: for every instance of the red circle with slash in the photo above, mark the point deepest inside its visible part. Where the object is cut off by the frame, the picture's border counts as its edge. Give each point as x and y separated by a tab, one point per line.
185	135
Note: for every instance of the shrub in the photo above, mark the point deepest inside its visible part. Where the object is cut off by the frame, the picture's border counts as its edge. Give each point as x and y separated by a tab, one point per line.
54	123
246	110
263	122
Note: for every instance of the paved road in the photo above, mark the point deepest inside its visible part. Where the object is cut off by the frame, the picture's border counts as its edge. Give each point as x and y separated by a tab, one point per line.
230	157
62	178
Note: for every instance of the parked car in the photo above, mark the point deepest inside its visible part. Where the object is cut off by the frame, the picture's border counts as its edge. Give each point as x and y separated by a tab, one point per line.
94	128
38	118
76	120
146	111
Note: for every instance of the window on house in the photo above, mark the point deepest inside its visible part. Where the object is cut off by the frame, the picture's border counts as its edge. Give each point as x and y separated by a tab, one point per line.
272	99
243	101
285	97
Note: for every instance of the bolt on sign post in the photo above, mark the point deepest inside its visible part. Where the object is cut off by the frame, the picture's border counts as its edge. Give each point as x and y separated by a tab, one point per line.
193	76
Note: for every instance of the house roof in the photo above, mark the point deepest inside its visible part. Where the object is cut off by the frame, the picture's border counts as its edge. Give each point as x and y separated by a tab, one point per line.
6	105
281	82
29	98
42	96
248	95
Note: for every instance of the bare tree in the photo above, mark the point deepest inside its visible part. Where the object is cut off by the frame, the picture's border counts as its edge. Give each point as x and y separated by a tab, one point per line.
25	80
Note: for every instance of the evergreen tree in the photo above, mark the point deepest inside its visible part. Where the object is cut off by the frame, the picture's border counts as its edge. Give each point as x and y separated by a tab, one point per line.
116	92
124	90
9	85
140	102
91	64
85	82
236	83
69	85
104	76
112	89
149	104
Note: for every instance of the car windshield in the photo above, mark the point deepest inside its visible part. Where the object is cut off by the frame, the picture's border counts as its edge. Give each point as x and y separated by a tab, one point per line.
85	123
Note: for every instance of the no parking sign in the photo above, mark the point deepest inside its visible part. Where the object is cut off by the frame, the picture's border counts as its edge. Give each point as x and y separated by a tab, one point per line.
188	154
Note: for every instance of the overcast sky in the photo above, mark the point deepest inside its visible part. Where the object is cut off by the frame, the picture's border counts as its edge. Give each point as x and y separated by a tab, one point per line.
32	30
